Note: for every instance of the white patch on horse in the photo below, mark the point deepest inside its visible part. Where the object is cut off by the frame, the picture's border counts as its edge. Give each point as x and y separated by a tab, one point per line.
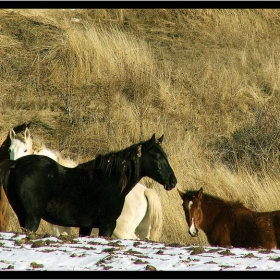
193	230
190	205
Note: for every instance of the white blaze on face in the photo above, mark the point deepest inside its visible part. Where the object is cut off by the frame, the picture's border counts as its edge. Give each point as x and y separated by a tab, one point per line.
193	230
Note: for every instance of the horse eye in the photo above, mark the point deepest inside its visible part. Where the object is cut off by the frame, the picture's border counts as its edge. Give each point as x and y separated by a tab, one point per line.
9	150
155	155
25	150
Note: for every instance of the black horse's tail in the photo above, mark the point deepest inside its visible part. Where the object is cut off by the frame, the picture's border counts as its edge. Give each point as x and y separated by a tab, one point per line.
5	167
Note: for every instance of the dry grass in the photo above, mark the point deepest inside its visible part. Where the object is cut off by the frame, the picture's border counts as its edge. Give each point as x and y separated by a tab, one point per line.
93	81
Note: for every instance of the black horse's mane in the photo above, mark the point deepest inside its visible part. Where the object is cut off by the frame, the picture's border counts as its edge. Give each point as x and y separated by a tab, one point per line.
124	162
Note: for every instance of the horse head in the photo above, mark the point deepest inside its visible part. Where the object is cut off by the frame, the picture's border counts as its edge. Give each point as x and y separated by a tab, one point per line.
192	209
4	153
154	163
20	146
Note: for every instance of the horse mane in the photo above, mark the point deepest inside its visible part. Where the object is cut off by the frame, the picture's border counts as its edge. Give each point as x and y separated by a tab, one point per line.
65	161
20	137
125	162
236	203
208	197
118	159
39	146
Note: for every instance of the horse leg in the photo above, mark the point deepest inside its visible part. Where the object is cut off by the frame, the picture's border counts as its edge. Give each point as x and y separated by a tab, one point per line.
107	229
32	222
28	220
17	208
123	234
3	224
85	231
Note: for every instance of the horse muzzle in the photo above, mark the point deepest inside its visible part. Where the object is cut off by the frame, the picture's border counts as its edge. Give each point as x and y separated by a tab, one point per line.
193	232
171	183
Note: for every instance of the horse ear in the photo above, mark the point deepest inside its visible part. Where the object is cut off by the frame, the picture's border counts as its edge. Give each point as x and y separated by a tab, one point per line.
200	192
153	139
12	134
160	139
182	194
27	134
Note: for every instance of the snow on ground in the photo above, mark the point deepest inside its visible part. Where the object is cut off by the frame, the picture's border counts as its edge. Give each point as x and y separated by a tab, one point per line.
32	252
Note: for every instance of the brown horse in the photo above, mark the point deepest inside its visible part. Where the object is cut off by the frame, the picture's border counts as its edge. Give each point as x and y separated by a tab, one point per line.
230	224
4	154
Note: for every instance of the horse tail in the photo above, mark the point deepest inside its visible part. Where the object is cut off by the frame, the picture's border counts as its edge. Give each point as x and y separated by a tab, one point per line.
5	212
5	167
155	214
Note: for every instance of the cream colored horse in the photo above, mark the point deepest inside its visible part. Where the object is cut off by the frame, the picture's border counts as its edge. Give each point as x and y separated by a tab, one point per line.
141	216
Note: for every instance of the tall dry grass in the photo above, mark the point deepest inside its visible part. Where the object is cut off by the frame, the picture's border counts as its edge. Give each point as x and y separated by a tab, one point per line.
93	81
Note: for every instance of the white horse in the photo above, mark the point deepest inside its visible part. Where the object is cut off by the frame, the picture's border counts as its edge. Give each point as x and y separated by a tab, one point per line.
141	216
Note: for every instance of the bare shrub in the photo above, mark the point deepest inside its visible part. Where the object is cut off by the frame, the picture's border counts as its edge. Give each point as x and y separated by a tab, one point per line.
254	145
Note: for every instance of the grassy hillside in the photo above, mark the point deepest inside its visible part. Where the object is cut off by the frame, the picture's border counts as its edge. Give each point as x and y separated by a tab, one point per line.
94	81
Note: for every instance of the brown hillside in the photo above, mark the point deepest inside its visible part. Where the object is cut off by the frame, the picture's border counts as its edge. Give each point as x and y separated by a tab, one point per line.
93	81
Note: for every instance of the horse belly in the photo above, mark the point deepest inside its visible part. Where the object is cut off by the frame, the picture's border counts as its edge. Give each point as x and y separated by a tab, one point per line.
255	230
70	214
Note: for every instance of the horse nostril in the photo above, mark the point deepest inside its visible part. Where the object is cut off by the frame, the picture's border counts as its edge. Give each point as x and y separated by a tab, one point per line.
193	234
173	181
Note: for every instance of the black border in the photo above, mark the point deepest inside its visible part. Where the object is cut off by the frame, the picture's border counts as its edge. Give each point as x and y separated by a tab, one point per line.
186	274
71	4
182	274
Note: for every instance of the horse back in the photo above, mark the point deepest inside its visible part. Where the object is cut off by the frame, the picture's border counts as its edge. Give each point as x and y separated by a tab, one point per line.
45	175
255	229
239	226
34	176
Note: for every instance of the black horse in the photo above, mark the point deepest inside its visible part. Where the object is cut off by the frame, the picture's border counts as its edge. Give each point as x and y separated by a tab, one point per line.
88	196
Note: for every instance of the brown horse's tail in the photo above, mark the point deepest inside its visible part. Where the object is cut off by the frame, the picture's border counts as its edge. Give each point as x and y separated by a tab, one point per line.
5	167
5	211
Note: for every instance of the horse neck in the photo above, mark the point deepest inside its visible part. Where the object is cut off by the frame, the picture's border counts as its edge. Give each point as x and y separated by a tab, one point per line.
123	172
46	152
211	209
126	173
